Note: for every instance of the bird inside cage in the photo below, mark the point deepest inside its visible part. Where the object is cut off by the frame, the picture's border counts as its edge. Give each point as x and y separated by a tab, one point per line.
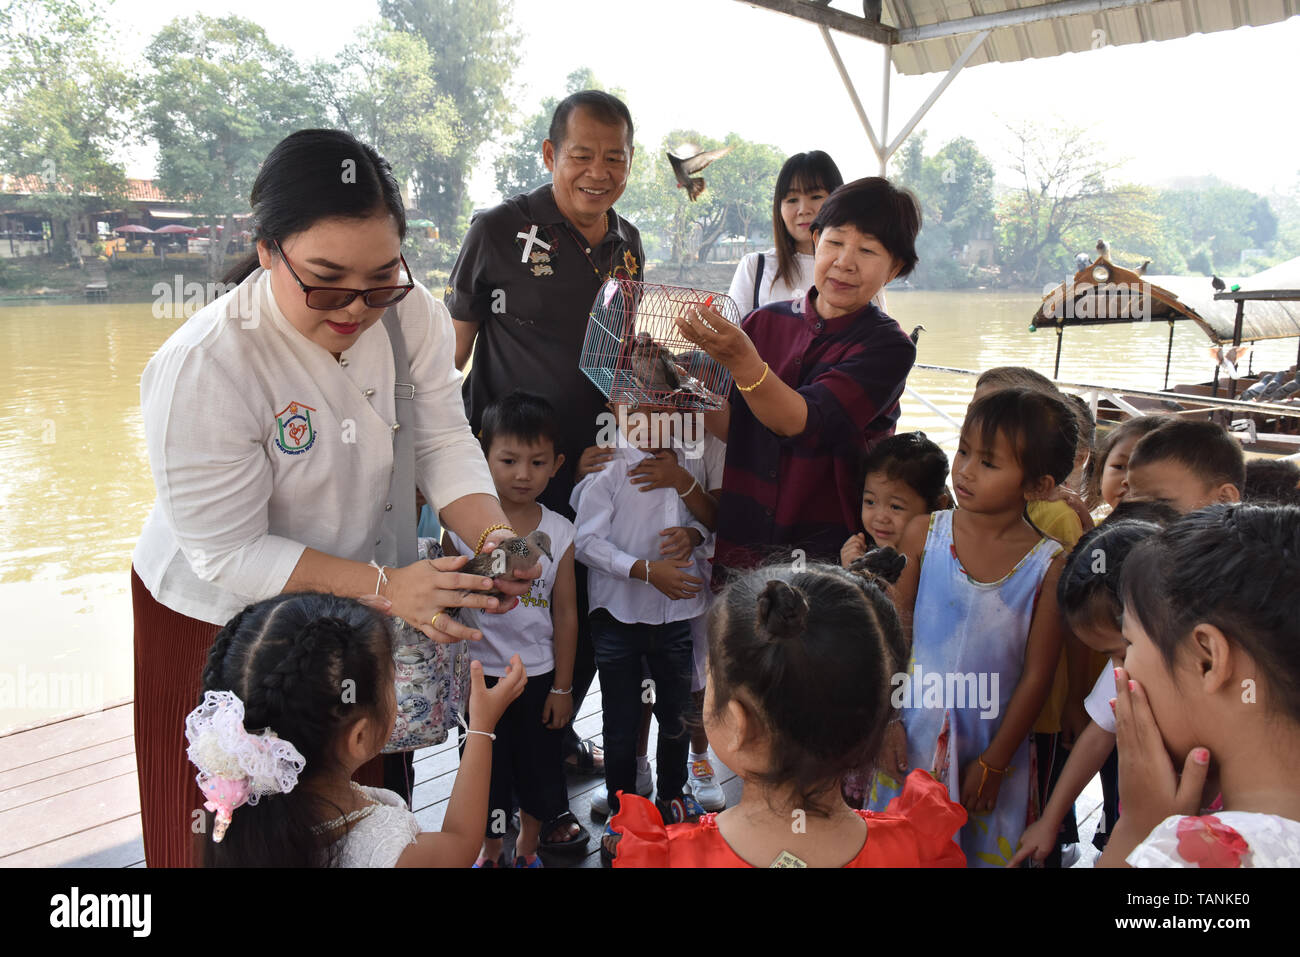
634	352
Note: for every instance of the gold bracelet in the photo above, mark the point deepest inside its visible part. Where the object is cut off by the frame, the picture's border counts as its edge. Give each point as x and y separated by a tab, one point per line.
488	531
750	388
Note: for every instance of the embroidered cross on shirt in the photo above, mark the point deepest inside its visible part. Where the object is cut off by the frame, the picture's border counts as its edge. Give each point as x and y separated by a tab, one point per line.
530	239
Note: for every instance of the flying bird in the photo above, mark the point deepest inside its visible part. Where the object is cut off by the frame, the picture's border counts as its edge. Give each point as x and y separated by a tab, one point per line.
520	555
1218	284
687	160
916	334
1103	248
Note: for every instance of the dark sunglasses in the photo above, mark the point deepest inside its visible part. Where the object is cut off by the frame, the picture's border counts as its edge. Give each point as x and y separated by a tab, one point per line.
328	298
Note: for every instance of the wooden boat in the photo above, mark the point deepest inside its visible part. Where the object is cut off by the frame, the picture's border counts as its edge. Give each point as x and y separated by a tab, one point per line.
1263	307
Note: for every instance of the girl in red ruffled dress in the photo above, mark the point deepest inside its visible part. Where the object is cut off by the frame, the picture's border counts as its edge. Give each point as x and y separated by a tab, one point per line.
798	695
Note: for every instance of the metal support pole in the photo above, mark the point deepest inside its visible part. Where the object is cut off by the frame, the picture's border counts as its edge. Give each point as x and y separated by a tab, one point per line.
884	107
1236	341
852	91
1056	370
956	68
1169	354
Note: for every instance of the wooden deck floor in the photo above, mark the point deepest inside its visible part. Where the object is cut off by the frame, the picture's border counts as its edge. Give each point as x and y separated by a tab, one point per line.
69	798
68	794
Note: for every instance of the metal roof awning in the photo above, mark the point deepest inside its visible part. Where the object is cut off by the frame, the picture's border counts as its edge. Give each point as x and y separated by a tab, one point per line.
937	36
928	36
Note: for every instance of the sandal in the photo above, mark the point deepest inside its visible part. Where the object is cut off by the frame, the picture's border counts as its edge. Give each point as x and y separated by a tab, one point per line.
577	842
590	759
521	861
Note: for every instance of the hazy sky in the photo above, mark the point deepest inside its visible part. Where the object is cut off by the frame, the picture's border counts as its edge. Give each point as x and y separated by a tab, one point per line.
721	66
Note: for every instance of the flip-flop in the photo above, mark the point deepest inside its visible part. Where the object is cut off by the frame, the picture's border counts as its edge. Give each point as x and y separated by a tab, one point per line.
577	843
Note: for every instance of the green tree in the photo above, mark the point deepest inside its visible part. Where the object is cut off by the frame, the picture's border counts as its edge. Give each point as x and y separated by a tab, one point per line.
382	90
955	190
520	169
221	96
1061	195
743	182
649	204
64	107
473	48
1212	222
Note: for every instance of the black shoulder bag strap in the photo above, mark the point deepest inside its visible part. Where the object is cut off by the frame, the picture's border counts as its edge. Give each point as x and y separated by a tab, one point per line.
399	516
758	278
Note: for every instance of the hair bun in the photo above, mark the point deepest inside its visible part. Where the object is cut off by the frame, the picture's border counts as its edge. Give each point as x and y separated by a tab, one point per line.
782	610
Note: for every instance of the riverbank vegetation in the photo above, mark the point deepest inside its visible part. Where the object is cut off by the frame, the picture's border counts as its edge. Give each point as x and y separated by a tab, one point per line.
429	84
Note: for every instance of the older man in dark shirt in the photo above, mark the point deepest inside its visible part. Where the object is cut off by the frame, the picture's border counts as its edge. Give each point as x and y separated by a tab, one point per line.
522	288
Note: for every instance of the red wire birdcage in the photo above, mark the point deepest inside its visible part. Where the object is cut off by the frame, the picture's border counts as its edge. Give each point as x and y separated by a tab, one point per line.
635	355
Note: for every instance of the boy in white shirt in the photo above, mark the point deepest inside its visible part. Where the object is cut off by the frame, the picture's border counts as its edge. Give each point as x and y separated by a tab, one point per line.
519	435
642	605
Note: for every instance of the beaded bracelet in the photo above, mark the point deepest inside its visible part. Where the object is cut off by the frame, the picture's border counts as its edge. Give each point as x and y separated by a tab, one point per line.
750	388
568	690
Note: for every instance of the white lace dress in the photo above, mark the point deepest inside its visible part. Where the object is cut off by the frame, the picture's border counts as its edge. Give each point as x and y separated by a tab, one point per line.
379	838
1222	839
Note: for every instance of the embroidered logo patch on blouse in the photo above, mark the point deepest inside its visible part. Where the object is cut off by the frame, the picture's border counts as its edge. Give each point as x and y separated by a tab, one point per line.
295	433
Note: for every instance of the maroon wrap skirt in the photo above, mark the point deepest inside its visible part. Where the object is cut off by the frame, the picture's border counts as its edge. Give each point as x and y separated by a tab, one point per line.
171	651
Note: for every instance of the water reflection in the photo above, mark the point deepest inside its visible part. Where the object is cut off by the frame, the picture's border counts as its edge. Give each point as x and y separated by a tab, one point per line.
74	477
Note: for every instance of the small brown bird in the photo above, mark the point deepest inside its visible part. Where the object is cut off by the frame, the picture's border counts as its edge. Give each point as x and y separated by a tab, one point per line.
655	371
512	555
1103	248
687	160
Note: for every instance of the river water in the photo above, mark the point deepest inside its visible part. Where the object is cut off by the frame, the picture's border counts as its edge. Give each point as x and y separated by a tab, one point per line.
75	485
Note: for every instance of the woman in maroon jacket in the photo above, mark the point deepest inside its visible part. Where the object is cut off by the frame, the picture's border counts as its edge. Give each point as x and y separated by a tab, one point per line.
817	383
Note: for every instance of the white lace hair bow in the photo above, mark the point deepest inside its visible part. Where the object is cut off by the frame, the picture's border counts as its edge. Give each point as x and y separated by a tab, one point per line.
236	767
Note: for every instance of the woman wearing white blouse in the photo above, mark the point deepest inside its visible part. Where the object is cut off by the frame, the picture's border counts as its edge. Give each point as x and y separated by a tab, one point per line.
786	270
270	421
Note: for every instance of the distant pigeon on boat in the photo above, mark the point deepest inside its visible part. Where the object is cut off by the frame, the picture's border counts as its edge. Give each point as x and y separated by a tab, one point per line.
1171	405
1218	284
1288	390
1256	390
687	160
1274	386
1103	248
1082	261
1142	270
916	334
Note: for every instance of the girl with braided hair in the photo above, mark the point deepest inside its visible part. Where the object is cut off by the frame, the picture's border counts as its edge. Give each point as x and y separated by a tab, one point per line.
316	672
1208	700
798	696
